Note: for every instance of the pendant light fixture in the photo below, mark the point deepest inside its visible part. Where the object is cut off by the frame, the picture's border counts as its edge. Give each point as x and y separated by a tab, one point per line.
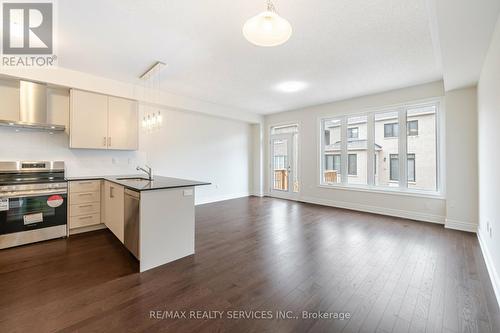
267	28
152	119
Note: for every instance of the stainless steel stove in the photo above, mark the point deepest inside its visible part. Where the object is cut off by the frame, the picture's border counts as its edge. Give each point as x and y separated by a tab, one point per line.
33	202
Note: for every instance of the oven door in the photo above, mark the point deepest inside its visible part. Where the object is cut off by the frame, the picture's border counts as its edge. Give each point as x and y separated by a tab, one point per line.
32	211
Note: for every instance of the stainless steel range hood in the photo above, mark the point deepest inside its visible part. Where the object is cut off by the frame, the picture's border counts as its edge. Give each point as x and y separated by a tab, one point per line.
33	109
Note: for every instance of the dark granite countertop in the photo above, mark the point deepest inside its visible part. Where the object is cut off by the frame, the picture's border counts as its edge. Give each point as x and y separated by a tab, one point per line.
158	183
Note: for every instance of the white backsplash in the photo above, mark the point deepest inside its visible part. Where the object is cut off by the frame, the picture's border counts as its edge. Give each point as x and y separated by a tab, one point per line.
32	145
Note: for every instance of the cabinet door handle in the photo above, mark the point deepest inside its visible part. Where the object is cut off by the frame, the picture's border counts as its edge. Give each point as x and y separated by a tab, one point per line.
109	141
104	142
82	194
85	217
85	182
111	192
85	206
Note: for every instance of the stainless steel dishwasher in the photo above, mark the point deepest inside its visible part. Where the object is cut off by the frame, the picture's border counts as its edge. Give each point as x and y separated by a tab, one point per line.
131	237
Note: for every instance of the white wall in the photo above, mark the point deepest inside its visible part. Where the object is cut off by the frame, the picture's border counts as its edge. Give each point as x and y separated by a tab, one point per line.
415	207
461	157
489	159
189	145
201	147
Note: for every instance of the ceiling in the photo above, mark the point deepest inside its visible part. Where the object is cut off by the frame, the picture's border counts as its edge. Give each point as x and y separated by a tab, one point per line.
339	48
464	29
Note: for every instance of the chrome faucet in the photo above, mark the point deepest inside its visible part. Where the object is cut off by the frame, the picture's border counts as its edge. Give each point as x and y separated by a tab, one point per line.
149	171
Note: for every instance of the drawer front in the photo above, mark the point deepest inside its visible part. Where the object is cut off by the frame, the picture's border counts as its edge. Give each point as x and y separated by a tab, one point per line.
84	197
84	186
84	220
85	209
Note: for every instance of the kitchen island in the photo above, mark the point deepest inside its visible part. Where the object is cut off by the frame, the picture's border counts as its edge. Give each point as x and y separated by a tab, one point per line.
153	219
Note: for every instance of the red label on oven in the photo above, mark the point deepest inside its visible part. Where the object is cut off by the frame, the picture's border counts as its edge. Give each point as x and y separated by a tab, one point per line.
55	201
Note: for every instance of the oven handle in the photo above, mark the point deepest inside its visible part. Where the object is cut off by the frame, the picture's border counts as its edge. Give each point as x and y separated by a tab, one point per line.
27	194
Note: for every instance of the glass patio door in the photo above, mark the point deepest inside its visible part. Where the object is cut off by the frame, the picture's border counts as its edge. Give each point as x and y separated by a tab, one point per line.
284	175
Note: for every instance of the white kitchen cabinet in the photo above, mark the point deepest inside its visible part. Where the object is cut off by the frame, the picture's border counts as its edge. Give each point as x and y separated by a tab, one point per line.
84	204
88	120
122	124
102	122
114	209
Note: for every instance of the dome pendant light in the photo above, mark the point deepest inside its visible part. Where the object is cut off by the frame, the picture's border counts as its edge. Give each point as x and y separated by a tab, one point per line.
267	28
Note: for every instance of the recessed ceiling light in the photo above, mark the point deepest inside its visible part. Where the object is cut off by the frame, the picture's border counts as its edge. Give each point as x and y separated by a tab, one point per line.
291	86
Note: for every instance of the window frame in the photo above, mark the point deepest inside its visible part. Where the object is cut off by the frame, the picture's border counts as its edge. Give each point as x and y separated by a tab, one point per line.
403	189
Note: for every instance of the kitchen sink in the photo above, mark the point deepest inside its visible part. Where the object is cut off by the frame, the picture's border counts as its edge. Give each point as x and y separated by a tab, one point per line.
134	179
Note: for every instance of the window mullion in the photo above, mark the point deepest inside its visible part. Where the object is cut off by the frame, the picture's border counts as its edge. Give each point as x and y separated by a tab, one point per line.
322	157
343	142
370	148
403	150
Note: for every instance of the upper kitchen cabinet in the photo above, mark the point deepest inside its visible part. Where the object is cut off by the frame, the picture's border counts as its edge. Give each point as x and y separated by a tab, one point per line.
122	124
88	120
102	122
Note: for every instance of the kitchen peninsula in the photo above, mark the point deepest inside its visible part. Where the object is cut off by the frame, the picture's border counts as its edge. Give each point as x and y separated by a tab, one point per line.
153	219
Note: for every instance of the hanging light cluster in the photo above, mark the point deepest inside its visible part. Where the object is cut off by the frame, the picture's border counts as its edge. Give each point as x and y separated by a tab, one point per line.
152	118
152	121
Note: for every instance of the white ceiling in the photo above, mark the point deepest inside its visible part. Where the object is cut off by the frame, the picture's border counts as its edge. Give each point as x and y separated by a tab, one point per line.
339	48
464	30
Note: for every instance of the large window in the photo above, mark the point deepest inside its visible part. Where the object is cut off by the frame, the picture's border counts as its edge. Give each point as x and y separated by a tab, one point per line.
386	142
356	150
422	148
393	149
331	148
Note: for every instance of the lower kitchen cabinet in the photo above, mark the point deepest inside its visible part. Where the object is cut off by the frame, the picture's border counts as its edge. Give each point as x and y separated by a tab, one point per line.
114	209
84	204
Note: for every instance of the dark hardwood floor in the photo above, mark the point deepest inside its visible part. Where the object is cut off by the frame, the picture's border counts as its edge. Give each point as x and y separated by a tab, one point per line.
390	274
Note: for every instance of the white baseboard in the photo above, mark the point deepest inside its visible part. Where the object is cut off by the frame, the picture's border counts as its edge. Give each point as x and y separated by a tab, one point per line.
460	225
494	277
419	216
212	199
